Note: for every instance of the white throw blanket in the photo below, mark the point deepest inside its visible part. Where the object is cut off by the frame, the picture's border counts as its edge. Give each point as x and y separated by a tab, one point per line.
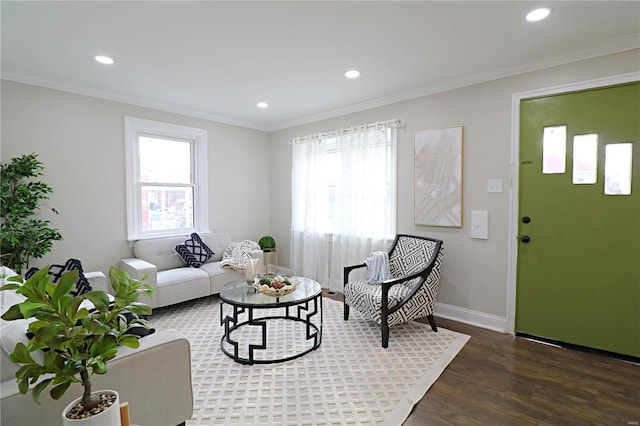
237	255
378	267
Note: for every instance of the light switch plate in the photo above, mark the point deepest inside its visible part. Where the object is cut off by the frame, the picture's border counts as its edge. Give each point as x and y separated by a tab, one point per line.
494	185
480	224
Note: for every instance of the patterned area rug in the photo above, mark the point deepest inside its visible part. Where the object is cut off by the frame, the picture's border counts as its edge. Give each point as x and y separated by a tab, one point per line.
349	380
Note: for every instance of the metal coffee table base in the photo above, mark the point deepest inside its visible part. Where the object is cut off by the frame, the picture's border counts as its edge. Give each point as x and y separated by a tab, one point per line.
304	312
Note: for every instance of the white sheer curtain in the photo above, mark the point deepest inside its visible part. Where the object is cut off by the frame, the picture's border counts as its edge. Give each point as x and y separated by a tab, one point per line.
343	187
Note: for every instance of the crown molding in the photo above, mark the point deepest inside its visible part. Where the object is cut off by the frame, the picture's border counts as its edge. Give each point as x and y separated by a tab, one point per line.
131	100
615	46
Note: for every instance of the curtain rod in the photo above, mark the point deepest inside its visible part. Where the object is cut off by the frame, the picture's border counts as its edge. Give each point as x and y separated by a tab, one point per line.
395	122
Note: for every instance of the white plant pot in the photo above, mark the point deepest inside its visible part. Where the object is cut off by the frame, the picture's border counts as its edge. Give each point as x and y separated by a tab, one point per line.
109	417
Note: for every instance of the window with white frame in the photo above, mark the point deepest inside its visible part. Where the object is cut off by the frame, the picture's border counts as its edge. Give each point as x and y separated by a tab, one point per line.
344	182
166	179
343	195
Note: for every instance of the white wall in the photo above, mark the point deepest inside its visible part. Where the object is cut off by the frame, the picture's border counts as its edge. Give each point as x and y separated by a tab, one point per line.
80	140
474	280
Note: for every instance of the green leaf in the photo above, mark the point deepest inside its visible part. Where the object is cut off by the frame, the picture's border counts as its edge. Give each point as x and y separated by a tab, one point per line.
13	313
46	334
71	368
95	349
99	299
37	325
109	354
28	371
110	340
76	331
58	362
23	386
39	388
99	328
100	367
40	275
37	346
31	309
16	279
71	308
66	283
59	390
109	344
50	359
130	341
10	286
41	281
20	354
63	303
50	288
82	312
139	308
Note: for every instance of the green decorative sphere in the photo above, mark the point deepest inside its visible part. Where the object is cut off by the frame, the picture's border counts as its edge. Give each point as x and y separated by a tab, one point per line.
267	242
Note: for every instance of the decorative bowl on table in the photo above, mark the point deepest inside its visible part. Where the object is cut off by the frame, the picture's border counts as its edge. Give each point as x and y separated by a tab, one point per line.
275	286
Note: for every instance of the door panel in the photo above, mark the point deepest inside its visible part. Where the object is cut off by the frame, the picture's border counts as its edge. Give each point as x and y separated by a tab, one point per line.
578	278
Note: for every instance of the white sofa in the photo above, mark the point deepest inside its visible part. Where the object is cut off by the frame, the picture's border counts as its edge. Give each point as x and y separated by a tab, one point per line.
155	379
175	282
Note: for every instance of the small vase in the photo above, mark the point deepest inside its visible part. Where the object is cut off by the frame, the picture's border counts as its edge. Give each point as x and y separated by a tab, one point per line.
252	270
109	417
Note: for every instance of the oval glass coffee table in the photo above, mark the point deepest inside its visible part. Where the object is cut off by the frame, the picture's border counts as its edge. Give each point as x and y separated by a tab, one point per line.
261	329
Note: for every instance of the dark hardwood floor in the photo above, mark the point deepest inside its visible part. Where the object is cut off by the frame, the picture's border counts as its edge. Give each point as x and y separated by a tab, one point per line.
498	379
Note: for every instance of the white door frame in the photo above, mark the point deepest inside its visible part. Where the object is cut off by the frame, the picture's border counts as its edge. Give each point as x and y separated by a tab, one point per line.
512	260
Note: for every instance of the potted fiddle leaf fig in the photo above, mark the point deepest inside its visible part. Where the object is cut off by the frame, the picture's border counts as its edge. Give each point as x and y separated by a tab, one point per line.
70	341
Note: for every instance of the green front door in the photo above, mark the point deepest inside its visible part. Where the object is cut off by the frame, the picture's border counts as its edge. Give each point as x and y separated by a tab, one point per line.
578	278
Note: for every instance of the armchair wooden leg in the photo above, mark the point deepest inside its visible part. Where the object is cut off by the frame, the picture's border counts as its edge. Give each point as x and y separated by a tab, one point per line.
432	321
385	333
346	311
385	337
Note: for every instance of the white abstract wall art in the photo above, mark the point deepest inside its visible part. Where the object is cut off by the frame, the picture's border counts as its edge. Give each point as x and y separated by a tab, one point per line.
438	177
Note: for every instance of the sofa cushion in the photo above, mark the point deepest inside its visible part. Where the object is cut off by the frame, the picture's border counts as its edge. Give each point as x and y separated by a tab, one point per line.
159	252
180	275
219	277
217	242
56	272
181	284
193	251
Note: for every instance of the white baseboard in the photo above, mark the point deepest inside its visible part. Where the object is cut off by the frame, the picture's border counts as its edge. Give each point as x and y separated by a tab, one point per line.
468	316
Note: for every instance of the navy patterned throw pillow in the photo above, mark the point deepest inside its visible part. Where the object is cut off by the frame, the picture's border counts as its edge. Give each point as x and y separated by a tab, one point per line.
194	252
56	271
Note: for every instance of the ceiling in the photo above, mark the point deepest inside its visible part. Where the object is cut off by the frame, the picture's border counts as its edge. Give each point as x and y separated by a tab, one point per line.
216	60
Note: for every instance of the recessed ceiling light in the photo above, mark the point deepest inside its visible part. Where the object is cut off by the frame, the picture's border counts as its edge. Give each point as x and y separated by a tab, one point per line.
103	59
538	14
262	105
352	74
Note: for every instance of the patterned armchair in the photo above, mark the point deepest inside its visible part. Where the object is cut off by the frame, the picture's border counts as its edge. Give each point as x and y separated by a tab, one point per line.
414	266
